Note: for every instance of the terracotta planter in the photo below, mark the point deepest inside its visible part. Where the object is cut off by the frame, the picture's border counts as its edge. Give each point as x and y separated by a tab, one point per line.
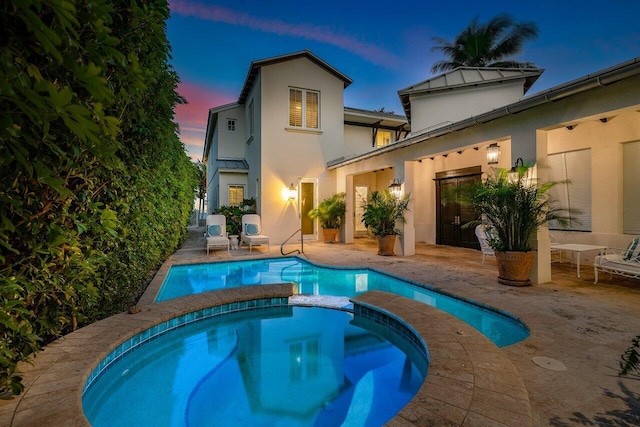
329	234
386	245
514	268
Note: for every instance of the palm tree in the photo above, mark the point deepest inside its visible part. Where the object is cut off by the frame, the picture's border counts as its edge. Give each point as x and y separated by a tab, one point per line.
486	45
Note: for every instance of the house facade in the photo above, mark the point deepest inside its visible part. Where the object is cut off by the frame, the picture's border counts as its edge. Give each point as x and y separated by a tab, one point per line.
586	131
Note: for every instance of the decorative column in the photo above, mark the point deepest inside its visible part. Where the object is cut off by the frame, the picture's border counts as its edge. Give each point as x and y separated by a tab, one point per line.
347	229
541	269
408	237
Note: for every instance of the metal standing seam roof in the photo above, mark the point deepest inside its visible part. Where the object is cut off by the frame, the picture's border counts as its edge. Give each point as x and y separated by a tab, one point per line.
232	164
473	76
601	78
464	77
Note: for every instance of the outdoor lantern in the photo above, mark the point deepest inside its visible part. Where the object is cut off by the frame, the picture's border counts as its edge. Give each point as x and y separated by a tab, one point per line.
292	192
493	153
513	173
395	188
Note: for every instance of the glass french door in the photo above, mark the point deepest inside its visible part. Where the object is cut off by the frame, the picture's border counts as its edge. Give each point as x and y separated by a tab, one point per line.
361	193
451	215
307	202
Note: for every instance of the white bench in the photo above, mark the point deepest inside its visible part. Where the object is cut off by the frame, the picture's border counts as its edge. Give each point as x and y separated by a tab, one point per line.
625	262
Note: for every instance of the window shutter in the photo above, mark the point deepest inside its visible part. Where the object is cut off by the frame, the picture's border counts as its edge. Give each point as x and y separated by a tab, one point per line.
630	188
312	110
575	167
295	107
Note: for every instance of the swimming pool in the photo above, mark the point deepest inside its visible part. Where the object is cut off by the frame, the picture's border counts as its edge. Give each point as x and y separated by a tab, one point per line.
286	366
500	327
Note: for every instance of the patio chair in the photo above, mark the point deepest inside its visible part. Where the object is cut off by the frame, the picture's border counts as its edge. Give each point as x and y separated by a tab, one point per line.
623	262
251	233
216	233
481	234
556	254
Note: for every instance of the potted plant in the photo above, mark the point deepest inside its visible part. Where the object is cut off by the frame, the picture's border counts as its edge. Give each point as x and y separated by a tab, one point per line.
380	214
512	207
330	212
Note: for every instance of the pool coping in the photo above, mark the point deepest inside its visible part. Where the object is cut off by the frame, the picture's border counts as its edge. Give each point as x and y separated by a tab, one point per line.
470	380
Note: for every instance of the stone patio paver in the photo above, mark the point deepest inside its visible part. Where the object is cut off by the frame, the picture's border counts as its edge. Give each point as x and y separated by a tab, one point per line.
586	327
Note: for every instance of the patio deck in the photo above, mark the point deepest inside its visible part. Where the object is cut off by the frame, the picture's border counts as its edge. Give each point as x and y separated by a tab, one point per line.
582	326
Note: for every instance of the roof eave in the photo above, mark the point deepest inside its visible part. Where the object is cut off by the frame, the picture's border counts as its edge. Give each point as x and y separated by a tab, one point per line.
602	78
256	65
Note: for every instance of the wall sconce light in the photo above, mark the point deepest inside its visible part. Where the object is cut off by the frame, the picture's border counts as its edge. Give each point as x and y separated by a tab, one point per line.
396	188
513	173
493	153
290	193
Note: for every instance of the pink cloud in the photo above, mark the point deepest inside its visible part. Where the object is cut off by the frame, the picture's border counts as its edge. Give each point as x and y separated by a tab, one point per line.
200	99
369	52
192	117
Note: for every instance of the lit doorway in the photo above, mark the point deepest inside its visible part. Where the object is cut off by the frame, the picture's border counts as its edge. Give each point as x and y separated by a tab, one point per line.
361	193
308	202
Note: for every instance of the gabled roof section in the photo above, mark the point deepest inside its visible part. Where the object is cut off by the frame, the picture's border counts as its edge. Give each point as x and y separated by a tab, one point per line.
465	77
256	65
212	120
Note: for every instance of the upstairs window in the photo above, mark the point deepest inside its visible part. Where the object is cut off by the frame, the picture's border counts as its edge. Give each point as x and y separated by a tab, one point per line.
383	138
304	108
231	125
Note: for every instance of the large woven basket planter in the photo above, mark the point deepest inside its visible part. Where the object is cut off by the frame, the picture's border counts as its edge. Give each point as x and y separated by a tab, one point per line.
329	234
514	268
386	245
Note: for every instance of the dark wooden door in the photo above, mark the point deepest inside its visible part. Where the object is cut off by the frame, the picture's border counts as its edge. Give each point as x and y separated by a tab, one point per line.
450	214
307	193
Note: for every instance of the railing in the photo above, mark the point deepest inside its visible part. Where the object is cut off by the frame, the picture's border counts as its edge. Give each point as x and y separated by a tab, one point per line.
300	251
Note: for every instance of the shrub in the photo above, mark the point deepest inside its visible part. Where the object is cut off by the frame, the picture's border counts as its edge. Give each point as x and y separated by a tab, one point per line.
96	187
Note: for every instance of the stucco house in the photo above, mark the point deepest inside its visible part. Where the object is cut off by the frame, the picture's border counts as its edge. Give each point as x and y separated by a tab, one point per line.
290	128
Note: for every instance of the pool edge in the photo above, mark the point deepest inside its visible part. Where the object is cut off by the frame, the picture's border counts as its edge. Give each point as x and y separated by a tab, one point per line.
465	383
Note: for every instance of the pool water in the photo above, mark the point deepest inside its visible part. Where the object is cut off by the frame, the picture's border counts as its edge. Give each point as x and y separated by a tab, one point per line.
284	366
500	327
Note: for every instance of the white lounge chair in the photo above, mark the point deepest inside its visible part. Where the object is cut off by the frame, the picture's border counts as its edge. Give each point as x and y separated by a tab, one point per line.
623	262
216	233
481	234
251	233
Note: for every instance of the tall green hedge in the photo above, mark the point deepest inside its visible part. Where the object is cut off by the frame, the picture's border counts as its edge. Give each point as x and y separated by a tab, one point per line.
95	186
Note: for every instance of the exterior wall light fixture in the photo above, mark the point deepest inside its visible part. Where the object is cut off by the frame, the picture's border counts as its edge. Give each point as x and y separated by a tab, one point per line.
493	153
396	188
292	192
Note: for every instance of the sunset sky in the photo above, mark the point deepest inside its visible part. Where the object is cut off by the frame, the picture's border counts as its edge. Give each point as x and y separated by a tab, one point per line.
382	46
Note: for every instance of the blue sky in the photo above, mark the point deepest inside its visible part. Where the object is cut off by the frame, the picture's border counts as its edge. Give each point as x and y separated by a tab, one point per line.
381	46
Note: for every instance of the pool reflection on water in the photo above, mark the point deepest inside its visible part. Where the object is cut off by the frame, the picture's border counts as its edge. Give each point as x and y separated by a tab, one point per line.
289	366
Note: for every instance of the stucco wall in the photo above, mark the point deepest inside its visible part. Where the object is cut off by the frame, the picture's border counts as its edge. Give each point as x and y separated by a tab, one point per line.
231	145
357	140
605	140
289	155
440	107
253	153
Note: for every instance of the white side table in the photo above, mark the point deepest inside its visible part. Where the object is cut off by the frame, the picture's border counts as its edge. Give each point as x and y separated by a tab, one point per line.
577	248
